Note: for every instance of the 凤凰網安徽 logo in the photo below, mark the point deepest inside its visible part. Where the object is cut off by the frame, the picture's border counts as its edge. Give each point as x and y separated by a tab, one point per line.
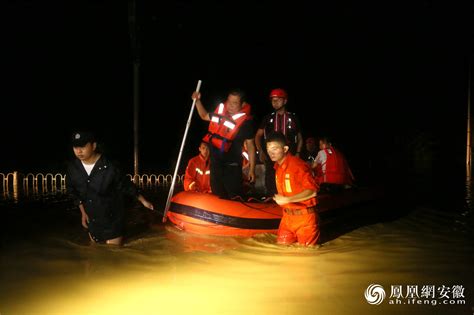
374	294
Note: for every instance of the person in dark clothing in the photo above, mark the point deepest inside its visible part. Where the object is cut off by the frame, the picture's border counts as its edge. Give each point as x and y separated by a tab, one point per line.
310	152
280	120
230	126
98	187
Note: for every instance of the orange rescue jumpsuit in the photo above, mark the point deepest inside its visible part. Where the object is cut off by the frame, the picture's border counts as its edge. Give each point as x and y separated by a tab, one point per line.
197	176
300	220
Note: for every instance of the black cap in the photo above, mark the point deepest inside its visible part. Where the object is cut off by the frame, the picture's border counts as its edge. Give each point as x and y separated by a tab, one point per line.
81	138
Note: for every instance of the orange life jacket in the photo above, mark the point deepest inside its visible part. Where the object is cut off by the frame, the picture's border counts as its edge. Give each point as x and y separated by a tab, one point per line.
223	127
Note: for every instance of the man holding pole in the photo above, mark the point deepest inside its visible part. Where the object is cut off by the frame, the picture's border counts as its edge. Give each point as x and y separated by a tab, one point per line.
230	126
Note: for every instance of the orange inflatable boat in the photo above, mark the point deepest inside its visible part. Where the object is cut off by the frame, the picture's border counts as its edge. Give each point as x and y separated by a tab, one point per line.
208	214
203	213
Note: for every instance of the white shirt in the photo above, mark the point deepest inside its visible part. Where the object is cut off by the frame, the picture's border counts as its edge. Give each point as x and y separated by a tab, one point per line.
321	159
88	167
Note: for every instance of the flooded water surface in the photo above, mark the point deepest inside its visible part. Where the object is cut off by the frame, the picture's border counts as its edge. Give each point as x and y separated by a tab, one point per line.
400	258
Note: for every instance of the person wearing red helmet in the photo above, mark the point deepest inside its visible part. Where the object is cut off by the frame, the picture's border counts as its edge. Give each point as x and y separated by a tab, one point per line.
280	120
279	93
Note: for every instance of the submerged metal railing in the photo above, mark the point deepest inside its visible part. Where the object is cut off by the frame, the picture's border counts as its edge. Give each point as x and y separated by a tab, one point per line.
153	180
15	184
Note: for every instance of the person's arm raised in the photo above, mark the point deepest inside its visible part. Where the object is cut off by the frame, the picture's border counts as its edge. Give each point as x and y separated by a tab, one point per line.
203	113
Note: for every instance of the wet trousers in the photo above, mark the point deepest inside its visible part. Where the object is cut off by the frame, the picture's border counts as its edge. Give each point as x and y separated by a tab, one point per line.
303	228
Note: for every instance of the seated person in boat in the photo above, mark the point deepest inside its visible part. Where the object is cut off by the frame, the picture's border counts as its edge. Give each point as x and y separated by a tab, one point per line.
331	167
197	175
296	194
310	151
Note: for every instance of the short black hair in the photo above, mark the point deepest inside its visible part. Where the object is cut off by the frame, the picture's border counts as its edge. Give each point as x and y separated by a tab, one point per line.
238	92
325	139
277	136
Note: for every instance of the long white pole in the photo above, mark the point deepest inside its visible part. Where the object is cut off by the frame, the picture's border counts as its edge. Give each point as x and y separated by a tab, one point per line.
468	147
132	20
170	194
136	102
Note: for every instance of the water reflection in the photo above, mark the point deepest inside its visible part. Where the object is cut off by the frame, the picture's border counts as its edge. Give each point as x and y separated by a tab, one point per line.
162	270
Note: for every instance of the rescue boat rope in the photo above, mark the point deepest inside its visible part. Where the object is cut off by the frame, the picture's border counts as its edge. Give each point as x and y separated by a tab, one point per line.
255	208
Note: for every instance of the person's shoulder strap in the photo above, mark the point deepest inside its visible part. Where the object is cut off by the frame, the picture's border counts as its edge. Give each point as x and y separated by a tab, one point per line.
292	115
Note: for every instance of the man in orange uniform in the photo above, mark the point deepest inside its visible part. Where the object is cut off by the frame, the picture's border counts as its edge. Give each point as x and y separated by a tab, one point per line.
197	176
297	190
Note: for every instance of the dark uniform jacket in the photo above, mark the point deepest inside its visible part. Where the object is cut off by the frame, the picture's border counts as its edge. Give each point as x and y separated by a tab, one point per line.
102	194
288	124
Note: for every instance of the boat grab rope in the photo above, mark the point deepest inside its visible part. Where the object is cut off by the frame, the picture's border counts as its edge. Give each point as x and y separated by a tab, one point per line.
247	204
228	220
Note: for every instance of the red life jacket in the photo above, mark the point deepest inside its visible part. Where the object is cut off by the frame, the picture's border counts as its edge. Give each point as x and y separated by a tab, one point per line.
337	169
223	127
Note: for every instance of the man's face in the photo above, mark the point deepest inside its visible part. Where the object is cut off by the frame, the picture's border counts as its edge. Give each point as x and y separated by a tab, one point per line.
322	145
234	104
85	152
276	151
310	145
278	102
204	150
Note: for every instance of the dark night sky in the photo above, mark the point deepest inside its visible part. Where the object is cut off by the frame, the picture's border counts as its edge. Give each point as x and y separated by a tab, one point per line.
372	75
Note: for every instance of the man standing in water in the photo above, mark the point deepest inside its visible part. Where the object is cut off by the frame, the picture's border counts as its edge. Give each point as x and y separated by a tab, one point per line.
97	187
297	190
